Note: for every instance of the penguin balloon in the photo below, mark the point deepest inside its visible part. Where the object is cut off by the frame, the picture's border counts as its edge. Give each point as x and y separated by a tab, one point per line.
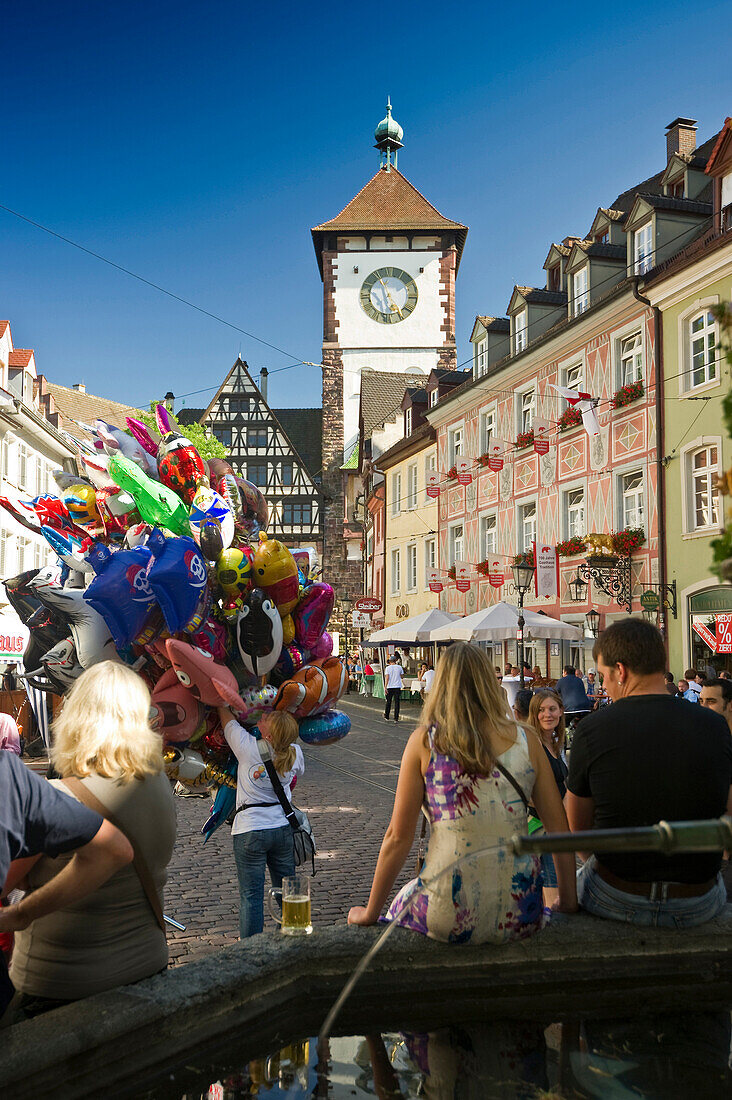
259	633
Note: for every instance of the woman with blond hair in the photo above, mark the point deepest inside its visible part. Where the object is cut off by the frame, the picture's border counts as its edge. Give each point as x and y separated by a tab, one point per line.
546	717
110	759
477	770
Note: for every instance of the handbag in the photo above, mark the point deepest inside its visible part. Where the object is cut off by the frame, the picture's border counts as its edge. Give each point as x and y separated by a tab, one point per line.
302	830
143	871
534	825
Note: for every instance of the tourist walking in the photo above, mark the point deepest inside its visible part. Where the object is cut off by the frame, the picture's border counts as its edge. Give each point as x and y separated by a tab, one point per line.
111	761
261	834
546	716
648	758
477	771
571	691
393	683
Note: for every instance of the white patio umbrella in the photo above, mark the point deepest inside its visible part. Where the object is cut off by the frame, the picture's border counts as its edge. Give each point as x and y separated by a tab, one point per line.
499	623
415	631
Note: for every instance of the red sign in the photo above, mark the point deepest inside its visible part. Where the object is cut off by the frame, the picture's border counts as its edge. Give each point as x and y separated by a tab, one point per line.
368	604
462	576
495	574
463	466
433	483
705	635
723	625
496	451
434	581
541	428
495	464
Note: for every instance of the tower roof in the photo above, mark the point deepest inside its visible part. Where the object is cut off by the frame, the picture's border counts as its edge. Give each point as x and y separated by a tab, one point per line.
388	203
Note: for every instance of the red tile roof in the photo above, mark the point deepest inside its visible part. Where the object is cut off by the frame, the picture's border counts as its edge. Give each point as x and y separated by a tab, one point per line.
723	133
20	357
3	326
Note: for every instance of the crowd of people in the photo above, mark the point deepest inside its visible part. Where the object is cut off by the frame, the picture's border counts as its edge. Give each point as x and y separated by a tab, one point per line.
83	858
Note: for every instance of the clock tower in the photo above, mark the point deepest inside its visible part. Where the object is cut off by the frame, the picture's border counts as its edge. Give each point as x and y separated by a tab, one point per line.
388	263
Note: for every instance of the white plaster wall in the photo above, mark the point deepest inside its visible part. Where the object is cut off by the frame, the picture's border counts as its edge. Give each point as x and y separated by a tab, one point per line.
420	330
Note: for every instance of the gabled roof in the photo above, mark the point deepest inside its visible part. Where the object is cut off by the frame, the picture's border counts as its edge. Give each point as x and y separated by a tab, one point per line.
723	139
388	203
538	296
304	428
189	416
594	251
665	202
20	357
87	407
498	325
3	326
414	396
381	395
654	185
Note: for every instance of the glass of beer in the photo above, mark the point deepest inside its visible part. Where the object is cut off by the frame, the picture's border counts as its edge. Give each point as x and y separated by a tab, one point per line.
295	894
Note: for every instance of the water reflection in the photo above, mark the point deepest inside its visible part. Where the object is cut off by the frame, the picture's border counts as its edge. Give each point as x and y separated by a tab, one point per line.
653	1057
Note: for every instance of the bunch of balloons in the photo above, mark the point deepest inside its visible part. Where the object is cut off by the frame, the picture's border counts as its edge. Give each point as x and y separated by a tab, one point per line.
164	563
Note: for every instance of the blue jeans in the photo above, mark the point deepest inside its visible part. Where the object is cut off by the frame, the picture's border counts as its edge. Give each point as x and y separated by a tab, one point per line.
599	897
253	851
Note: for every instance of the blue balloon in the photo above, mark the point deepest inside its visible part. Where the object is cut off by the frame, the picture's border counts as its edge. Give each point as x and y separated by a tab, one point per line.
120	592
324	728
179	579
223	804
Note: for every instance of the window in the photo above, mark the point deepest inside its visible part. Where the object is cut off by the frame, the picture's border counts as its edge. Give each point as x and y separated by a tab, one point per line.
23	543
574	509
396	494
223	435
412	487
574	377
702	337
454	444
519	332
412	567
4	547
395	571
295	513
434	397
408	421
526	410
430	465
631	359
480	359
430	556
580	292
489	535
704	495
676	189
286	471
22	465
6	458
37	555
257	437
603	237
257	473
456	543
631	500
554	277
527	525
643	249
238	404
487	428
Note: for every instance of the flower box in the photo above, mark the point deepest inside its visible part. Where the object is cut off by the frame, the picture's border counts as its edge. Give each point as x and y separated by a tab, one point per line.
451	572
570	418
525	439
632	538
570	547
527	557
626	395
452	473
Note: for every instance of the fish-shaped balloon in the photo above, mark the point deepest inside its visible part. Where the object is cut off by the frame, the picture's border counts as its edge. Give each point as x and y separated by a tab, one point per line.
156	503
180	465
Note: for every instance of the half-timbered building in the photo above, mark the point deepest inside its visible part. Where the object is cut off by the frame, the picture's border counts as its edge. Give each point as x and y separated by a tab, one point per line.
277	450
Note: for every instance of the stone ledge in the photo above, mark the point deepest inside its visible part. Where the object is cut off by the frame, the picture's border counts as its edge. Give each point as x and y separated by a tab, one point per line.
578	966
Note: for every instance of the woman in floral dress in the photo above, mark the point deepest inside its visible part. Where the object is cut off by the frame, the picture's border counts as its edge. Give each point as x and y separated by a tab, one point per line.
457	762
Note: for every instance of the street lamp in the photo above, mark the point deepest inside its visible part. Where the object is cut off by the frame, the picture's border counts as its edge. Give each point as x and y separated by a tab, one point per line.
523	577
578	589
592	620
346	604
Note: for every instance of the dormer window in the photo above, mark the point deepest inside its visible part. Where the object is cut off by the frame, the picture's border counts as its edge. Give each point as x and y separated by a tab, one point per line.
554	278
434	397
519	332
603	237
676	189
580	292
408	421
643	249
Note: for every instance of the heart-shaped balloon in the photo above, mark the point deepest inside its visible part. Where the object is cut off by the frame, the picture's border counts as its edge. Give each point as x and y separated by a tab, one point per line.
312	613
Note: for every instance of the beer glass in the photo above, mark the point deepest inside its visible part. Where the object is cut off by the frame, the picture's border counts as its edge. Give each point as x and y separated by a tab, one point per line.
295	894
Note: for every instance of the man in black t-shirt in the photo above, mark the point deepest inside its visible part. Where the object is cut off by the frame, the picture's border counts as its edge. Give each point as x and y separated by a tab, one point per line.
36	818
647	758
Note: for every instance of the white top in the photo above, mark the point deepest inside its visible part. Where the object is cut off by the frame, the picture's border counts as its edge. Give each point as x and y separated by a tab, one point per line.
428	678
393	676
693	686
253	783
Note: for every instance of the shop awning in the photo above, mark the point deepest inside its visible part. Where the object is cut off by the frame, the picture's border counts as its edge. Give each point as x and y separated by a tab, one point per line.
499	623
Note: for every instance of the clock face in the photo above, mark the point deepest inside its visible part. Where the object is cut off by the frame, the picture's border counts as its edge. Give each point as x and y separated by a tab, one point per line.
388	295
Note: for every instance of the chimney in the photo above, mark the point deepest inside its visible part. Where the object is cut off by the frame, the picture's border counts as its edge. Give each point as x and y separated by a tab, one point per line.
169	401
680	137
79	387
263	376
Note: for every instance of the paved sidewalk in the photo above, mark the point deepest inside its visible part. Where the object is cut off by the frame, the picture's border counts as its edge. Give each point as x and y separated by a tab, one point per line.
348	793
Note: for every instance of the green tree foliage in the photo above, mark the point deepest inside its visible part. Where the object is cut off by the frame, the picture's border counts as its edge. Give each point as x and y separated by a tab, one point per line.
207	445
723	545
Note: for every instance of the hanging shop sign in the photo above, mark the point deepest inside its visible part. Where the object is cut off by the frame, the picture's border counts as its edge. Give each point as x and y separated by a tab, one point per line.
369	605
495	574
434	580
723	628
464	467
496	450
462	576
433	483
542	430
546	577
360	620
649	600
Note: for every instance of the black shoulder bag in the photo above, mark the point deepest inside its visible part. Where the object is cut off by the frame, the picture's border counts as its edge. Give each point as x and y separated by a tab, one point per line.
302	831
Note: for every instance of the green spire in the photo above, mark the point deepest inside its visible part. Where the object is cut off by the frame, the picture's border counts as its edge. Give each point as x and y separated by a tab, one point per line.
388	136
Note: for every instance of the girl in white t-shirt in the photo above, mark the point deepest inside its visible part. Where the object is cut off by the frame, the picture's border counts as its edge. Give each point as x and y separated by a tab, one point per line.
261	834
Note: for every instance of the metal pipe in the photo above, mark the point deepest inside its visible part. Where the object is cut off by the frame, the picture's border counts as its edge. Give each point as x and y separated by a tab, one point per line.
712	835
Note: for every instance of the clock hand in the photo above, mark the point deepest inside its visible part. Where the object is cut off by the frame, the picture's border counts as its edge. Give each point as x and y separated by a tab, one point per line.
394	307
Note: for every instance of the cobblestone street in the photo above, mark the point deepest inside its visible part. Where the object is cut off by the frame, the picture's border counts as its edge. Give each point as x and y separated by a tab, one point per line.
348	793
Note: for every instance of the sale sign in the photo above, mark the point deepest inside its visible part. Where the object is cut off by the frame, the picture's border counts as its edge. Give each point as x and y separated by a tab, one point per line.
495	574
463	467
723	626
496	450
542	430
546	577
434	581
706	635
433	483
462	576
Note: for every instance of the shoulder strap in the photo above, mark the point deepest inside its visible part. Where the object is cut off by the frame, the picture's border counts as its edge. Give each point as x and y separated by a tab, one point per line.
514	782
276	783
143	871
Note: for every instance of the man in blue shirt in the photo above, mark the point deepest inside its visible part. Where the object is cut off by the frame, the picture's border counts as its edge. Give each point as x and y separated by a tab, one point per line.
572	692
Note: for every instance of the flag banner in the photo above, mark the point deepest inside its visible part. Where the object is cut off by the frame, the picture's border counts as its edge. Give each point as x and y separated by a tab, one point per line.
496	450
546	577
585	402
462	575
706	635
542	429
433	483
464	468
434	580
495	574
723	625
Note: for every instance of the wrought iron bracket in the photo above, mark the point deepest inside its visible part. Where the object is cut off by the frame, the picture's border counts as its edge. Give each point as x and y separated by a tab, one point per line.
667	597
612	576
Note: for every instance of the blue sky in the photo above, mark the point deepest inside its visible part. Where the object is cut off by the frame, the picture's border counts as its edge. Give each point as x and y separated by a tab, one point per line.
197	143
